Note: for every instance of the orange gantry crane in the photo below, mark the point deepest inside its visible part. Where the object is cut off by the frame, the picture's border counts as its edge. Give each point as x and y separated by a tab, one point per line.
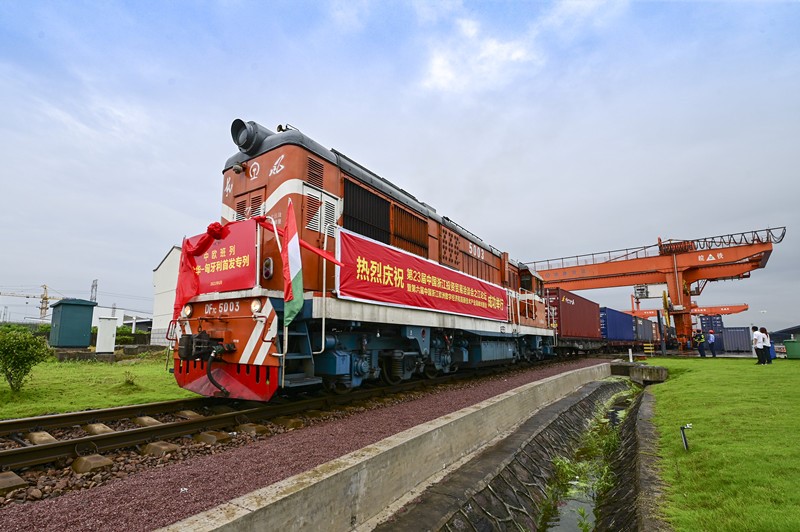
695	311
685	266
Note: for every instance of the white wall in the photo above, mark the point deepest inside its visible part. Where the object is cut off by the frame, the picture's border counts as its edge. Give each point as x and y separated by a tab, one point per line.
165	280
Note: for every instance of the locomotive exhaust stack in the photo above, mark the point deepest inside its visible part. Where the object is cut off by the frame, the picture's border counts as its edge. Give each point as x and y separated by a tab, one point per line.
248	135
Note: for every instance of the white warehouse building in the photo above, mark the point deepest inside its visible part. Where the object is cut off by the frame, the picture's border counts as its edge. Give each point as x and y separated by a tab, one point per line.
165	281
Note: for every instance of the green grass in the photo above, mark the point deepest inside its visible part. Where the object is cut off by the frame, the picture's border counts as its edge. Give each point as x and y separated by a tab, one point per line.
742	470
56	387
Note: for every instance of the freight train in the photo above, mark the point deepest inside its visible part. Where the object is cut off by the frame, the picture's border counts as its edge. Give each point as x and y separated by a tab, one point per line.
582	326
323	273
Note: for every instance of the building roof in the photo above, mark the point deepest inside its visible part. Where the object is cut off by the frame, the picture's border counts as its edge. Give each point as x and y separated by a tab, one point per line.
173	249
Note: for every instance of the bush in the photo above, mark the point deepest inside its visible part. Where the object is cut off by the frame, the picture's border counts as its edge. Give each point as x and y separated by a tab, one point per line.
20	351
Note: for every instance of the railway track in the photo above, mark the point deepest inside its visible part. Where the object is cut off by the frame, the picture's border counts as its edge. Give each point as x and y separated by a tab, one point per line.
228	414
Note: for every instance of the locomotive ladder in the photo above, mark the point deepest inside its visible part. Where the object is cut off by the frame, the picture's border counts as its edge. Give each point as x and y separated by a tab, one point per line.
298	364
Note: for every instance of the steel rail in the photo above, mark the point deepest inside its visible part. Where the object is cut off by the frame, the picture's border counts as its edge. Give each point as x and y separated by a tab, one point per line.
19	458
29	424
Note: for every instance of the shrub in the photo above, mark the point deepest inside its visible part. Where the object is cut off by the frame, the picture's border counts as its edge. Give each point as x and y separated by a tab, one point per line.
20	351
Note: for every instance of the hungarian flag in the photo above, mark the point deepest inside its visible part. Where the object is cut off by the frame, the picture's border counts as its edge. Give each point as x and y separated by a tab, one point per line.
292	269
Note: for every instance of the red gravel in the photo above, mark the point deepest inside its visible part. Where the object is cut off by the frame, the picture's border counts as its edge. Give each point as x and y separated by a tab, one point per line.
173	491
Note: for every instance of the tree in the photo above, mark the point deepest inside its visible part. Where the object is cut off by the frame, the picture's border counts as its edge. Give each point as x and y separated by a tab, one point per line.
20	351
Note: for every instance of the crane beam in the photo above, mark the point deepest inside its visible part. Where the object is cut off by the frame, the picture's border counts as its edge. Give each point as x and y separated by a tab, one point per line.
696	311
44	299
676	263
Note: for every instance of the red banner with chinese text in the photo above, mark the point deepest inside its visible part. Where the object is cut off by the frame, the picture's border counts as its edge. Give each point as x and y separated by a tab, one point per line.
230	263
381	274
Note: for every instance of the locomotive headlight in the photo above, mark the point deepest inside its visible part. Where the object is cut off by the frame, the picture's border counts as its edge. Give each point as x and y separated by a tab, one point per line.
255	306
187	311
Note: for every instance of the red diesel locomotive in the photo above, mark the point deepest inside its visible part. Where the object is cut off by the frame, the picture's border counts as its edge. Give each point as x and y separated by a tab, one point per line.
390	288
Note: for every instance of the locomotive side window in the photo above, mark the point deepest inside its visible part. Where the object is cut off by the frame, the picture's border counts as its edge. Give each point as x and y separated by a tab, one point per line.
366	213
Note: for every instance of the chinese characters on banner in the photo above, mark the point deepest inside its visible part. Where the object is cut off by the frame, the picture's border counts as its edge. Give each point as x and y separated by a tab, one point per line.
230	263
375	272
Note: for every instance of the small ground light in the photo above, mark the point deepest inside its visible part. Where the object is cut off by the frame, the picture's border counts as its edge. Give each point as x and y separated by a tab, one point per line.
683	435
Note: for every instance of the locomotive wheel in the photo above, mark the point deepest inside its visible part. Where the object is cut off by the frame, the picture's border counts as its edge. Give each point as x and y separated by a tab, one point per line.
431	372
386	375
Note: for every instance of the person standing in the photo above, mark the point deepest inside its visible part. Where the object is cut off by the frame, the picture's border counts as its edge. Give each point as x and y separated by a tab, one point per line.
767	345
700	340
711	340
758	345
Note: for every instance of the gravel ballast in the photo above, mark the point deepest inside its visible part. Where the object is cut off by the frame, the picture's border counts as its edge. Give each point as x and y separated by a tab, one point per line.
173	488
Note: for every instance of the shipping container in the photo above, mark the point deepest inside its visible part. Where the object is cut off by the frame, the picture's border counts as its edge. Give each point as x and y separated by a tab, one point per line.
616	325
572	315
711	322
643	330
737	339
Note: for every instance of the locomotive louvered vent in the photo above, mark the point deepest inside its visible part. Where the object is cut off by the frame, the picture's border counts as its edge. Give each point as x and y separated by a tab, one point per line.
450	244
255	205
241	209
320	211
315	169
312	212
249	205
366	213
330	217
410	232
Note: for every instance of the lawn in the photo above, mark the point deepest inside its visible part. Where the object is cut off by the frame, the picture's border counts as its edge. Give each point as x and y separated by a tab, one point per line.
742	469
56	387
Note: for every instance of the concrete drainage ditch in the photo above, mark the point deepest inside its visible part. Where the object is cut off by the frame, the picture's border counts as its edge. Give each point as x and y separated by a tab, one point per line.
511	486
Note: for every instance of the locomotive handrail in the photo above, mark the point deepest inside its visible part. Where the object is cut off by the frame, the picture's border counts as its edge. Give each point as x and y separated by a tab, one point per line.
285	346
324	289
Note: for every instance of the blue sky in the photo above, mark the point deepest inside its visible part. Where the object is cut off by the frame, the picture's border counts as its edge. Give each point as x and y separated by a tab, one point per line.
547	128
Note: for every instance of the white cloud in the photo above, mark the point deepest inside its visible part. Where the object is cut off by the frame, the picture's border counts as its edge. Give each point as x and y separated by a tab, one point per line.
431	11
469	61
350	15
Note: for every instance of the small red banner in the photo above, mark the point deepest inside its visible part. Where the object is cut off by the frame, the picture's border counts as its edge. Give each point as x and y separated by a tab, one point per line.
385	275
230	263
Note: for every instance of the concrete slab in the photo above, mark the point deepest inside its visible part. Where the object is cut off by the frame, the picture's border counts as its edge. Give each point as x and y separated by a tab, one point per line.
252	428
648	374
290	423
159	448
97	428
211	437
350	490
145	421
93	462
40	438
9	482
188	414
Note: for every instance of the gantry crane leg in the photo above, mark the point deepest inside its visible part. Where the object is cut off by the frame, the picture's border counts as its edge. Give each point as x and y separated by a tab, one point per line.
680	297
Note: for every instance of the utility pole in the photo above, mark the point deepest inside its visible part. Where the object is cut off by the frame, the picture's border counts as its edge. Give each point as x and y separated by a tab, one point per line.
93	297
